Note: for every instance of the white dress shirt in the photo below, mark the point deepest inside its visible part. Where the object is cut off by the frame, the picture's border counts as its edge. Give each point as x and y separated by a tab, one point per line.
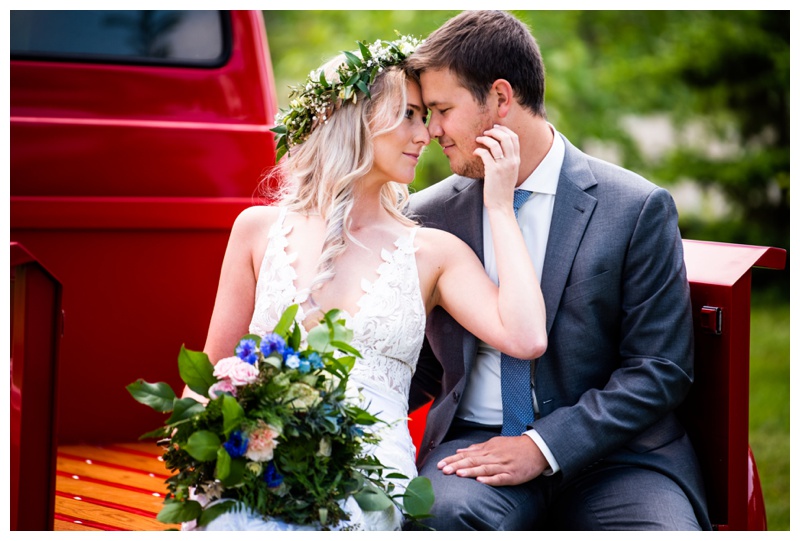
482	401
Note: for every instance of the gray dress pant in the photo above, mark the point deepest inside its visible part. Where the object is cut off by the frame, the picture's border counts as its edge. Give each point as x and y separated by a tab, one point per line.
602	497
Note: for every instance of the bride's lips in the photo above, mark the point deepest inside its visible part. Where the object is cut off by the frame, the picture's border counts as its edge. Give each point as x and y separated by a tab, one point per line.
414	157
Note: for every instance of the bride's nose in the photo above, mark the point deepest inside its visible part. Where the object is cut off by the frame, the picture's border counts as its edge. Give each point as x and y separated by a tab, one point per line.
421	134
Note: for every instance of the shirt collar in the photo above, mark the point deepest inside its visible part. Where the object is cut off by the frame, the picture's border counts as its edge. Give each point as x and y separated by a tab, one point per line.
544	178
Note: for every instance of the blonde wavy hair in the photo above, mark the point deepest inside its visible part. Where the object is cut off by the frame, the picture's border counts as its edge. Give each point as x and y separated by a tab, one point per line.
320	175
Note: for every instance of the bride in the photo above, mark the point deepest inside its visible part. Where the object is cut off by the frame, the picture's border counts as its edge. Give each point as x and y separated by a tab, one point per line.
337	238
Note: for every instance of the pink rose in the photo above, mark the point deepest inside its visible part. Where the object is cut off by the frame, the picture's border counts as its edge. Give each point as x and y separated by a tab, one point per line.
222	386
261	442
236	370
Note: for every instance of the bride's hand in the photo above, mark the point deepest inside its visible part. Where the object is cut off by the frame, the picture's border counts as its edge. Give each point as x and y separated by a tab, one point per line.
500	155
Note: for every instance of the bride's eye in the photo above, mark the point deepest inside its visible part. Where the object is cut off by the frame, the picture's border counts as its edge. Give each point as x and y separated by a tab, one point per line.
409	113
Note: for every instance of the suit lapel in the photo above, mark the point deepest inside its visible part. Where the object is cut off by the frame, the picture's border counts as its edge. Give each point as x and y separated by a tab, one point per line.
464	213
571	214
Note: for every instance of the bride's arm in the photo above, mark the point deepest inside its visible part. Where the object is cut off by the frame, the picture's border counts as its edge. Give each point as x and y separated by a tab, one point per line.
235	300
510	318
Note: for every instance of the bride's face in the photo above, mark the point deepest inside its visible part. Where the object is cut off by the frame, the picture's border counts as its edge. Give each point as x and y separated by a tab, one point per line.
397	152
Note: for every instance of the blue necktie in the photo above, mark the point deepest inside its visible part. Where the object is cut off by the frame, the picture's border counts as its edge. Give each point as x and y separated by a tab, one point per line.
515	374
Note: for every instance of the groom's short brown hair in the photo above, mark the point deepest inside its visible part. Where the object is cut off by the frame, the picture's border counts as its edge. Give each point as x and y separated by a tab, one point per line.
479	47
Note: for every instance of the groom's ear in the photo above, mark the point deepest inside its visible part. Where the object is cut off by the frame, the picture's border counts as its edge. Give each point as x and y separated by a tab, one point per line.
505	94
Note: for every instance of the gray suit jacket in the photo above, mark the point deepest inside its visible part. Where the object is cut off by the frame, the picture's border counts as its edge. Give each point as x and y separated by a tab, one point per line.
620	343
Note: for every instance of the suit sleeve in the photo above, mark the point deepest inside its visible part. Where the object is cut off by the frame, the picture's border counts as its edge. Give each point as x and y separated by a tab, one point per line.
654	366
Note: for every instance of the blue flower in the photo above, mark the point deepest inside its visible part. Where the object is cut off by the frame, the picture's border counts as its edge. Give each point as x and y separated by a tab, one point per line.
236	444
272	477
305	366
272	343
287	352
292	361
315	360
247	350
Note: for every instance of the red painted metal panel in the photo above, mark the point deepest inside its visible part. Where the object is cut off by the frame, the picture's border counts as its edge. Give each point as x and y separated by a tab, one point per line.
724	264
716	412
83	129
35	339
125	180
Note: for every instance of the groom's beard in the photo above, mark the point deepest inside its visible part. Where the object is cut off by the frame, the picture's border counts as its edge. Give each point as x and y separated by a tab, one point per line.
472	168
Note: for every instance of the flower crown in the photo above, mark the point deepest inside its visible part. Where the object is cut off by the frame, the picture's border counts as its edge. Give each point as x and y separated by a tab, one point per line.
313	102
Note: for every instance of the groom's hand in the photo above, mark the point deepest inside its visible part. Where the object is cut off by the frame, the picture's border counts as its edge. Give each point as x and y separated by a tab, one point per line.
500	461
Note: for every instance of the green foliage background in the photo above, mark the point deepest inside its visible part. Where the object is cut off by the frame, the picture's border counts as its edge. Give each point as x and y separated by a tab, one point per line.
696	99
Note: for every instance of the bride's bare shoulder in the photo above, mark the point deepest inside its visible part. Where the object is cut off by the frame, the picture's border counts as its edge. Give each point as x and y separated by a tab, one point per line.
439	243
256	219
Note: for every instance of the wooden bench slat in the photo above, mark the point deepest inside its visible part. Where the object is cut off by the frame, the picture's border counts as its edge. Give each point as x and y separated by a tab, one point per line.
114	495
141	458
107	516
115	476
70	526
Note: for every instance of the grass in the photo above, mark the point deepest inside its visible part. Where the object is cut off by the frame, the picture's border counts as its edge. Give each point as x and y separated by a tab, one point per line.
769	403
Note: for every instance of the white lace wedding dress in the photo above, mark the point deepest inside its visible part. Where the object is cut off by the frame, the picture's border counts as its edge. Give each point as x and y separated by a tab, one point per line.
388	330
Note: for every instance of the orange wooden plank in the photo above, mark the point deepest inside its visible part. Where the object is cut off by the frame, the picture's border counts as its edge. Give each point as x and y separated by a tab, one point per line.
67	526
104	515
114	475
133	460
95	491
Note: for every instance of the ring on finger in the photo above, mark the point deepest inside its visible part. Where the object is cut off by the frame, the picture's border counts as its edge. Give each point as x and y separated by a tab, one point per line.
500	157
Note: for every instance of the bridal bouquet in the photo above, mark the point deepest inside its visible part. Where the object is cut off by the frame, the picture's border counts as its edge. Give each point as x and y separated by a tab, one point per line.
279	433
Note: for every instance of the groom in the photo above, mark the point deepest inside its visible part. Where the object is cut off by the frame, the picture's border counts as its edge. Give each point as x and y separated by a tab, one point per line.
595	444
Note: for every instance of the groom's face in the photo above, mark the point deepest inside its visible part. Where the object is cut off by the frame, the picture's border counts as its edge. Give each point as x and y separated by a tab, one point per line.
456	119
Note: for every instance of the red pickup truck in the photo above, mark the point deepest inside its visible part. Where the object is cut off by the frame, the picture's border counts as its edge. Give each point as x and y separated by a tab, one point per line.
136	138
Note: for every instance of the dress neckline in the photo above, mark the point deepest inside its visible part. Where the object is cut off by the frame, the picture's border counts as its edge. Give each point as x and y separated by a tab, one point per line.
404	243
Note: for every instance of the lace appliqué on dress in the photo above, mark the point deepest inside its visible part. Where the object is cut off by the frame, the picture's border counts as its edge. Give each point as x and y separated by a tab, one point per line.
389	327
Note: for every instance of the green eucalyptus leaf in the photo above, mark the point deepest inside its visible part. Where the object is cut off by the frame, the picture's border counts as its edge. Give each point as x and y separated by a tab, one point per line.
319	338
371	498
365	54
223	468
158	433
345	364
418	498
232	414
203	445
352	60
281	150
174	512
346	348
235	473
216	510
296	338
340	332
332	316
185	408
196	370
363	87
282	328
158	396
280	128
